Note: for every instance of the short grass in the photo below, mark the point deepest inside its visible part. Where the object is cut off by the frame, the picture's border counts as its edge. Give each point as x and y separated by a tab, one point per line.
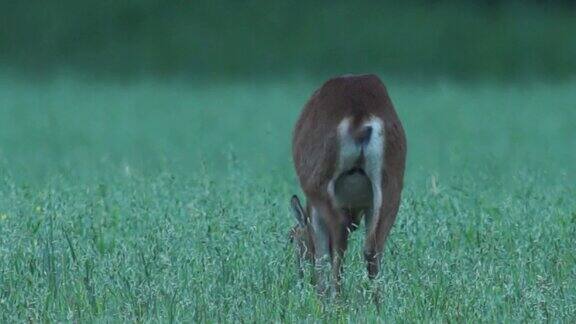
167	201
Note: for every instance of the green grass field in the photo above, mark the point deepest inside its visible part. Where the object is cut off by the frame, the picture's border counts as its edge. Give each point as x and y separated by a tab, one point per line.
157	201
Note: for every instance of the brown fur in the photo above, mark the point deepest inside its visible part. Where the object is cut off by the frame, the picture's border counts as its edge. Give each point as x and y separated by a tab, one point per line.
315	153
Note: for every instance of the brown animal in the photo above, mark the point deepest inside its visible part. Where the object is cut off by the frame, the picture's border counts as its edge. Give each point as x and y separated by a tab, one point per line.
301	236
349	152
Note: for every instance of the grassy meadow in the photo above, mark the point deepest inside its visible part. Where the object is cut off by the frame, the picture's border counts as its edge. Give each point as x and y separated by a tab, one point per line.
160	201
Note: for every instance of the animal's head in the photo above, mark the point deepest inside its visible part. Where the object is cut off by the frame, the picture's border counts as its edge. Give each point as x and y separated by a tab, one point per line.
301	233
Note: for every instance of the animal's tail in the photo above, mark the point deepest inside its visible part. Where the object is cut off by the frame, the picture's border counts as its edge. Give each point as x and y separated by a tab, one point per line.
363	134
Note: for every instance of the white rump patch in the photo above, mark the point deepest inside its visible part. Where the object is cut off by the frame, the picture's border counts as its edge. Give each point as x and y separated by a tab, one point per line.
359	189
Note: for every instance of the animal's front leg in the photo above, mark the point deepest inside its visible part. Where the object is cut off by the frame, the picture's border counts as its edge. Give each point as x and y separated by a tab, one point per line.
339	235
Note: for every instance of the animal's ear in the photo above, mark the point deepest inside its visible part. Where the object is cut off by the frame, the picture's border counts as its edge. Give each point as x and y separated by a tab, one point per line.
298	211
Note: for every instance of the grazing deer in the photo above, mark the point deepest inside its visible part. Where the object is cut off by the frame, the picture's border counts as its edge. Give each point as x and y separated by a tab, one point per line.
349	152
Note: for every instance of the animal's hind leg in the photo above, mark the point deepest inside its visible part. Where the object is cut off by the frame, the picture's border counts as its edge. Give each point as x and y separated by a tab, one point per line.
330	241
373	166
373	221
374	245
375	242
371	246
321	238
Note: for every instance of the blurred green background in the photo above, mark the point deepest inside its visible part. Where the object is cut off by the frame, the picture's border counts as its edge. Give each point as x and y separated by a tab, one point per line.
145	167
223	39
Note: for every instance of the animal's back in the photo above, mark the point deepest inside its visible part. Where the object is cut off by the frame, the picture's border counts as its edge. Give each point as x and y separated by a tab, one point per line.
357	97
